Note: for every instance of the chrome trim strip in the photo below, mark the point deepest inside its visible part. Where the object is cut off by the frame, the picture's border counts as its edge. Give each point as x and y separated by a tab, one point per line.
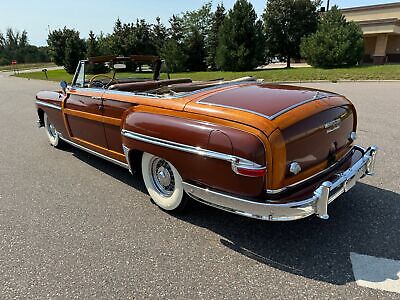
115	161
236	162
277	191
233	107
317	96
316	203
38	102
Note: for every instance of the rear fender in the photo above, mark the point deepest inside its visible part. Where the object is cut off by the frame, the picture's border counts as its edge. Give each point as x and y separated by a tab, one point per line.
196	167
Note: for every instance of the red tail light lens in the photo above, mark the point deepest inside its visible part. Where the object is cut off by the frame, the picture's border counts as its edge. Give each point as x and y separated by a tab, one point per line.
251	172
248	168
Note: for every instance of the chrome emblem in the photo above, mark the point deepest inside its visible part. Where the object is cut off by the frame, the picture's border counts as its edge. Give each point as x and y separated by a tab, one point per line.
332	126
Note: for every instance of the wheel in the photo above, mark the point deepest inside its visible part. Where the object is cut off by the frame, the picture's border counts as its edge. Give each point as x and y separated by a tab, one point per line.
51	132
163	183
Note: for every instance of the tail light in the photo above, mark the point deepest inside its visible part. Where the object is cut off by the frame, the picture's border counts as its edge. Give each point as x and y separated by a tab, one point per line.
248	168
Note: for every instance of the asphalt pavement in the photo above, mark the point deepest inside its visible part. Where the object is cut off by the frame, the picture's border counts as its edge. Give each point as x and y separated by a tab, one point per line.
75	226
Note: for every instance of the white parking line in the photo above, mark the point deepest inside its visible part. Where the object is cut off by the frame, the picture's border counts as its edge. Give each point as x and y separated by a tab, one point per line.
376	272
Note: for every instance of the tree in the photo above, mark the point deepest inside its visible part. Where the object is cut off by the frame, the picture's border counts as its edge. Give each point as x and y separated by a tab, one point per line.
74	52
239	38
143	43
159	35
93	50
212	40
335	43
196	26
57	41
173	50
14	45
286	22
199	19
196	51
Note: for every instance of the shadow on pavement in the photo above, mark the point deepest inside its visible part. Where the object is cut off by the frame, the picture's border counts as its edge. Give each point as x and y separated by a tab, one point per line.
365	220
109	168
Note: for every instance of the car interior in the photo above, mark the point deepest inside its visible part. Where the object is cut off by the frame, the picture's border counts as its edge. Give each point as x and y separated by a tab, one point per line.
142	64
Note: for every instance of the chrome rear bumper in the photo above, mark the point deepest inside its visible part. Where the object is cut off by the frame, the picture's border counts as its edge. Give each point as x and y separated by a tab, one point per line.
317	203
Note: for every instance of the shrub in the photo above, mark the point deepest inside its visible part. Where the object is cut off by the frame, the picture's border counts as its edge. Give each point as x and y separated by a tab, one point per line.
335	43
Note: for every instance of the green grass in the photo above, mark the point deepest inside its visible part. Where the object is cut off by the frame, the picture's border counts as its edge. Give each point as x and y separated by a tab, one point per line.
384	72
26	66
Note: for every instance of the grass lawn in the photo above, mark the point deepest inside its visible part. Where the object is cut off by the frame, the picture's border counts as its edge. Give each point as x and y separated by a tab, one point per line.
26	66
384	72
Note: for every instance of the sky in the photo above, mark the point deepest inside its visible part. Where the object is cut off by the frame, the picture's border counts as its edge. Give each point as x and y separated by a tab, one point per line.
37	17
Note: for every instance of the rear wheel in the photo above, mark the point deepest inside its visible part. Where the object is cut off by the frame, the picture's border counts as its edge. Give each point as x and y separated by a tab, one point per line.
164	183
51	132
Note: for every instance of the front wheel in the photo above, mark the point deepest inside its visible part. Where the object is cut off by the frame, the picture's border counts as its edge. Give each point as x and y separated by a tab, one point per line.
51	132
163	183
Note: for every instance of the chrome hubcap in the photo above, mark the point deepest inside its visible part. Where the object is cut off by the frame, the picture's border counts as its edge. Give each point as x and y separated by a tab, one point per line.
162	176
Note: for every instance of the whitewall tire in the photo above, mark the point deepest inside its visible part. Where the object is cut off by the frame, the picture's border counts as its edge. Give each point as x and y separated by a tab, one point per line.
51	132
163	182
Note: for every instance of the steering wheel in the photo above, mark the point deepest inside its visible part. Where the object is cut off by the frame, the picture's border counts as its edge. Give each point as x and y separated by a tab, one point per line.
95	82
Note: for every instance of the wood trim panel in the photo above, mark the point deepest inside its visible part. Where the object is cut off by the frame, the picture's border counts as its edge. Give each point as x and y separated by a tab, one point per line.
93	117
110	153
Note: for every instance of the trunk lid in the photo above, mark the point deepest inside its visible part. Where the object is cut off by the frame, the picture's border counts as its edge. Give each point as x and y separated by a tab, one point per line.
319	140
269	101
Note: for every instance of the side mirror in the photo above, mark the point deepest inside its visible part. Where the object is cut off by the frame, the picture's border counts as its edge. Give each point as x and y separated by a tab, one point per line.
64	86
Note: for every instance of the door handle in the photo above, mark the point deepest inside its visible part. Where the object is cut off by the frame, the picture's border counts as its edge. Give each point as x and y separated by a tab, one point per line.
96	98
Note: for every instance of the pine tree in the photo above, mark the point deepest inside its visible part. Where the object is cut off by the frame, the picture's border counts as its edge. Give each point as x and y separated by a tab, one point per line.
238	40
212	40
93	50
159	35
196	51
174	51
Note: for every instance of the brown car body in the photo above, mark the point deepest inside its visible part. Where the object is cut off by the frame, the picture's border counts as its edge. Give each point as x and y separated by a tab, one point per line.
208	133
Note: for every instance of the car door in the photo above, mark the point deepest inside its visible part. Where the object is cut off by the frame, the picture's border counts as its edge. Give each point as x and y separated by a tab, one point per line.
83	111
113	109
84	116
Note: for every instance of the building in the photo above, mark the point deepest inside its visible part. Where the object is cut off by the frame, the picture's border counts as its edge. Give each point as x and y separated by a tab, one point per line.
381	27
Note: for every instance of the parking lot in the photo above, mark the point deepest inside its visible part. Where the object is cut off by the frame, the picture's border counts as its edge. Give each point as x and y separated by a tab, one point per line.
75	226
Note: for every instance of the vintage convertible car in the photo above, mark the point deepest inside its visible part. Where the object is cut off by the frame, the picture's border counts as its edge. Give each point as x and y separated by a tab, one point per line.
266	151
